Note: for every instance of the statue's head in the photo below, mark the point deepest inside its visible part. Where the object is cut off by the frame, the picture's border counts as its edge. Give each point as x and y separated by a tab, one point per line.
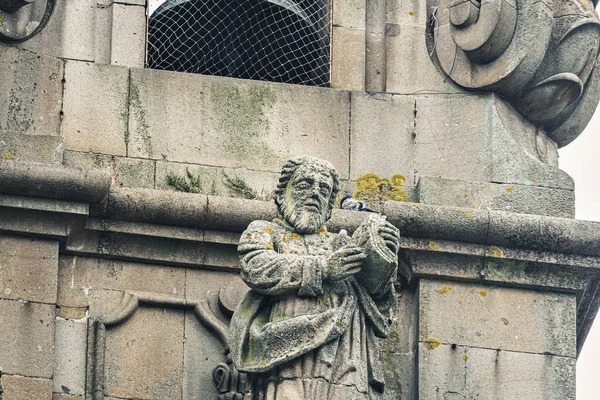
306	192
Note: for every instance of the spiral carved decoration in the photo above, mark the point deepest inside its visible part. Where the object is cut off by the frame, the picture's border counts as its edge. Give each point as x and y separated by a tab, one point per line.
541	56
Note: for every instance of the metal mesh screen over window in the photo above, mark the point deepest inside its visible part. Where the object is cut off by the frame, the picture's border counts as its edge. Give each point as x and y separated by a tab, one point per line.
271	40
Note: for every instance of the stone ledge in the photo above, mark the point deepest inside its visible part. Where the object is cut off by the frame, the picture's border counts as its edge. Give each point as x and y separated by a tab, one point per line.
489	227
189	230
53	181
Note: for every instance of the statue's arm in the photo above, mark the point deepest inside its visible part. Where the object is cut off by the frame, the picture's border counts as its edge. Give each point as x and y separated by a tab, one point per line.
270	273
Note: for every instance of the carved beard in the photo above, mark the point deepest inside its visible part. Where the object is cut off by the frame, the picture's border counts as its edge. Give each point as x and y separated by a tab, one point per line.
304	219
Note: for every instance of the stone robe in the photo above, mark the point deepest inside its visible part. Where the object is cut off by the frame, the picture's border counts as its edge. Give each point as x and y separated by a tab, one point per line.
300	336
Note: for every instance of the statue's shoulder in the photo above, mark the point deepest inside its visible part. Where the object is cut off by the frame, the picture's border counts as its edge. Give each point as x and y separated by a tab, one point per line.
263	229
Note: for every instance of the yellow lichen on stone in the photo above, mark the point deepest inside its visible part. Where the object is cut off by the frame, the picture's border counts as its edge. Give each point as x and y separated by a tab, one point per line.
435	246
270	245
372	188
496	251
445	289
431	343
483	292
509	190
465	357
269	230
292	236
322	231
9	156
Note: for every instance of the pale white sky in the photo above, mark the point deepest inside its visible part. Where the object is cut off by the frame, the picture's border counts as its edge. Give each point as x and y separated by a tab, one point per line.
581	160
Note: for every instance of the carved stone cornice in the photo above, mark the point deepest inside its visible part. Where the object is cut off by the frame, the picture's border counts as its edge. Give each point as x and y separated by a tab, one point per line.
540	55
190	230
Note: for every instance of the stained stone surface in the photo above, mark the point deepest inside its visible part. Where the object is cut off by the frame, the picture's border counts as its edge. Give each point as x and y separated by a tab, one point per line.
28	269
497	318
138	351
121	275
70	348
282	120
86	126
460	372
526	199
27	338
31	90
25	388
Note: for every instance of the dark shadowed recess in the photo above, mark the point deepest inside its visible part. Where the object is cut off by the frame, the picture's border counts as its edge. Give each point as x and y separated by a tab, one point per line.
271	40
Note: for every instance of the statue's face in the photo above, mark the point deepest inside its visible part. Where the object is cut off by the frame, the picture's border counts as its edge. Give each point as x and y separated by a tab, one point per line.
307	198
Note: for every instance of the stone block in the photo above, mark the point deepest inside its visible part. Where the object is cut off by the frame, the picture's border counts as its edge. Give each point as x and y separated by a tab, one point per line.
497	318
95	108
348	53
103	31
24	388
399	350
103	302
122	275
81	160
134	172
69	33
70	345
457	373
69	295
349	13
28	269
202	284
202	353
27	338
213	179
243	123
128	44
31	148
494	145
382	135
375	62
409	68
506	197
144	355
407	12
60	396
31	89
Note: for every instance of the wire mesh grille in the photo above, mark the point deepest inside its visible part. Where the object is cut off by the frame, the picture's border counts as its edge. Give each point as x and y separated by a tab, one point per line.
271	40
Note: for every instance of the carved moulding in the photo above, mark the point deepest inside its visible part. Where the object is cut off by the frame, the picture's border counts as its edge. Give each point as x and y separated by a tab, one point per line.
20	20
210	312
542	56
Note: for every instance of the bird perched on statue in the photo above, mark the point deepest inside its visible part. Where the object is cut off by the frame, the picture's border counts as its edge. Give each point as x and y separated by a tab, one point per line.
348	203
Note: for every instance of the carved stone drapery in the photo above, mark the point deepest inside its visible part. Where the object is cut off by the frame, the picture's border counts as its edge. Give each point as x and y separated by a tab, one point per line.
542	56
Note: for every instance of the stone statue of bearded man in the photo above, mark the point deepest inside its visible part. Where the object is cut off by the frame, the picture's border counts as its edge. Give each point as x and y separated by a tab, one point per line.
307	328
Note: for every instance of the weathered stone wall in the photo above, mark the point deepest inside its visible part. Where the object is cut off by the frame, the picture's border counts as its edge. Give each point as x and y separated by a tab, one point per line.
143	125
499	305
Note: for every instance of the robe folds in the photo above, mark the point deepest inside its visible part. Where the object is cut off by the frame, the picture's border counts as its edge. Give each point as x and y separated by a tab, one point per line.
300	335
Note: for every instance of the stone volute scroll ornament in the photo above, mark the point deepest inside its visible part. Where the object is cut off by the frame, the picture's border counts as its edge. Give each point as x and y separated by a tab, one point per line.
20	20
541	56
307	328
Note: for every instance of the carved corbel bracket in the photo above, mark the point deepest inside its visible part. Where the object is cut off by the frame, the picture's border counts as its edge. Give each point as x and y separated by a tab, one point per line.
540	55
20	20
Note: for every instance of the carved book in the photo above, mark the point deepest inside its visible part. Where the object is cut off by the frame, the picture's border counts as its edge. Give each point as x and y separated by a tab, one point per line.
381	262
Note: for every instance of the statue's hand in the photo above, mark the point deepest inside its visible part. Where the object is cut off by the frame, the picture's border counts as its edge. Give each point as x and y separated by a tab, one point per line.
391	236
344	263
